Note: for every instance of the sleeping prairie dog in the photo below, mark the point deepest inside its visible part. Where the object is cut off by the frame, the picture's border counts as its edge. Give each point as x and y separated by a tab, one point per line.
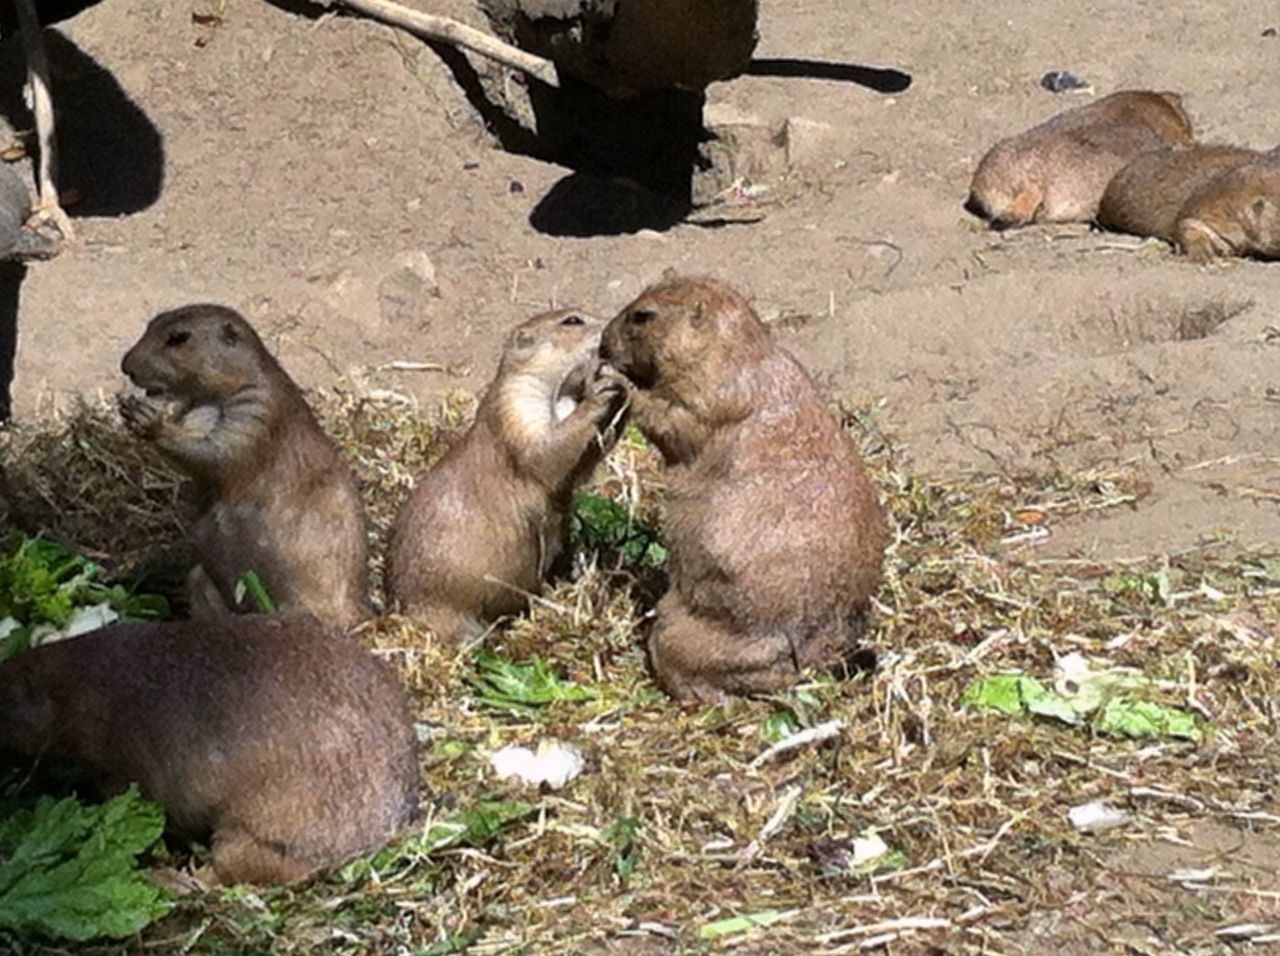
1057	171
1146	196
488	523
283	502
1236	214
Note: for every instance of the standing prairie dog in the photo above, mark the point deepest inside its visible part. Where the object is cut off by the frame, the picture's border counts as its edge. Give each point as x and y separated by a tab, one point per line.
488	522
1146	196
1057	171
288	751
282	502
1236	214
775	533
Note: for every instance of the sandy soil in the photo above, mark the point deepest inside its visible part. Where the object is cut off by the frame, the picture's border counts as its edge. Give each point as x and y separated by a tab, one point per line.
330	178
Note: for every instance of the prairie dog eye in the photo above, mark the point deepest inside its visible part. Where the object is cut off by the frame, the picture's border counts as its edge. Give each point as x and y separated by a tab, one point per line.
177	338
572	320
641	316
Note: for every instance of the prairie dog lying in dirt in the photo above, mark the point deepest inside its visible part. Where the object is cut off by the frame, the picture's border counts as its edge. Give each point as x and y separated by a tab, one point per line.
775	534
289	750
1057	171
282	501
1236	214
1146	196
489	521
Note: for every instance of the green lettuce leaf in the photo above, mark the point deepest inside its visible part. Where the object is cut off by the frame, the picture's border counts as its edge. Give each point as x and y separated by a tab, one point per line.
70	871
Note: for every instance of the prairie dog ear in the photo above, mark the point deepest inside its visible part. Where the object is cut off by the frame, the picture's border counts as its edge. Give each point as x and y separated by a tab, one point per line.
699	317
230	334
1257	214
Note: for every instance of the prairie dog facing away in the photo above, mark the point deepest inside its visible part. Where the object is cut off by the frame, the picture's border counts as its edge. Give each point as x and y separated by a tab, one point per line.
1057	171
282	502
1236	214
775	535
1146	196
487	524
288	750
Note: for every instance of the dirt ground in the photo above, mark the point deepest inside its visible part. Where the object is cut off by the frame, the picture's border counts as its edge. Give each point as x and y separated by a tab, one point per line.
329	177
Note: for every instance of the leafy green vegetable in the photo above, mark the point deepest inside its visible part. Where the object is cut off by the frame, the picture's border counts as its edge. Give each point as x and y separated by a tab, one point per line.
622	834
252	585
1143	718
1102	694
506	685
780	724
739	924
474	827
43	585
602	523
70	871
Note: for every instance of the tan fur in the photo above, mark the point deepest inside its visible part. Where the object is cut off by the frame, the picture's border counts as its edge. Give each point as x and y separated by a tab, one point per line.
1236	214
282	501
1145	197
1057	171
776	537
487	524
289	751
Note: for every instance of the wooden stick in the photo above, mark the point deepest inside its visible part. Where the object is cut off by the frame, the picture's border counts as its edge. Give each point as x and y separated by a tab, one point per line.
42	107
448	30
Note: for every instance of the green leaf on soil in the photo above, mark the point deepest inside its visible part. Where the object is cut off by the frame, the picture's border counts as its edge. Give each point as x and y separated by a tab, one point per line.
70	871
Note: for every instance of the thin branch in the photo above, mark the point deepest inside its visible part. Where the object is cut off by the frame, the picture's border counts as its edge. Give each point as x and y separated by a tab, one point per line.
450	31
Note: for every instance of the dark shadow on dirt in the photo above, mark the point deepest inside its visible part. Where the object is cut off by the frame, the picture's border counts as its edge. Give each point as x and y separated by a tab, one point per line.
632	160
47	12
583	205
11	276
303	8
882	80
109	151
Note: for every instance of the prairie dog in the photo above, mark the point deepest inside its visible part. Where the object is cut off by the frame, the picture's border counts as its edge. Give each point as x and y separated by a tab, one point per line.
488	522
1145	197
289	750
1236	214
775	534
1057	171
282	501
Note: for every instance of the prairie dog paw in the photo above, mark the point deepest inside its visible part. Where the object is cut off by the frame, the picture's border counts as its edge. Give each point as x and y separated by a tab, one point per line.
141	415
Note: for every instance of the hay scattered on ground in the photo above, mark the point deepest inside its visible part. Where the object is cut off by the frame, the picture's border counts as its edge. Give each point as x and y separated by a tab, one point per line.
681	823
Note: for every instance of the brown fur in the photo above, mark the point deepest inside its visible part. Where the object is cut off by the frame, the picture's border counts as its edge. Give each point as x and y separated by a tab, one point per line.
291	751
1237	214
1145	197
776	537
1057	171
486	525
283	502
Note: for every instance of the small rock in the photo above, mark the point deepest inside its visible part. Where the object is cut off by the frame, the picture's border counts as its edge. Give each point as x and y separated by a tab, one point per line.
1061	81
403	292
808	142
1271	32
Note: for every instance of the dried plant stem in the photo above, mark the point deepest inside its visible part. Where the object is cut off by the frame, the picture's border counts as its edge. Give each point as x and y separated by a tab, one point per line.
450	31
